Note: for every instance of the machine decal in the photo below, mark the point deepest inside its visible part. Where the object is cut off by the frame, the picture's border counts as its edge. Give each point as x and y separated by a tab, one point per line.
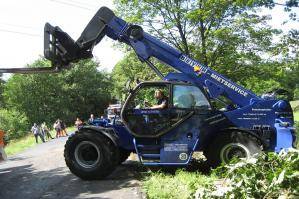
229	85
248	118
254	114
183	156
213	117
216	121
196	66
175	147
261	109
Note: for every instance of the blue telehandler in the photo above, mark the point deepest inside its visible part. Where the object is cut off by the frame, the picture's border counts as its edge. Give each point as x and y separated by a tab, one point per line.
191	118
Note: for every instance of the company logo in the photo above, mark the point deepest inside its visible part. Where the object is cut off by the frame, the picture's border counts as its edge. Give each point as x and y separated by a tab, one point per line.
199	69
229	85
196	66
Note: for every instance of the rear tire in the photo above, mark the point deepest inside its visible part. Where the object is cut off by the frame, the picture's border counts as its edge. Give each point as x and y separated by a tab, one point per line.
90	155
229	145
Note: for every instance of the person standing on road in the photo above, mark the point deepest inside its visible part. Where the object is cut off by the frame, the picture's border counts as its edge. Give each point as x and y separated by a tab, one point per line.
78	123
57	127
37	132
2	152
91	119
63	128
46	131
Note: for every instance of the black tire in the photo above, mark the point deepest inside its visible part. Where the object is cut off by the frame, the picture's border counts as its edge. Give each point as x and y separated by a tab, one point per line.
231	144
123	155
90	155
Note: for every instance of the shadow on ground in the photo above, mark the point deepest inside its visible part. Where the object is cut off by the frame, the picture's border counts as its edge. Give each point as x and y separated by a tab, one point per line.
25	182
38	174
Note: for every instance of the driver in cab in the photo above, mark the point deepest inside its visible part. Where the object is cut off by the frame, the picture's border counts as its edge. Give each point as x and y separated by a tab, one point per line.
162	100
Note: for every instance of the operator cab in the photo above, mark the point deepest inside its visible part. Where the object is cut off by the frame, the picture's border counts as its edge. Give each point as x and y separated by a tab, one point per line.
145	115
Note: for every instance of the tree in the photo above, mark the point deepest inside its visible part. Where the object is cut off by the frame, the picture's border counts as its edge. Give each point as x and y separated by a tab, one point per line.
14	123
74	93
228	36
132	70
2	83
35	95
296	92
86	89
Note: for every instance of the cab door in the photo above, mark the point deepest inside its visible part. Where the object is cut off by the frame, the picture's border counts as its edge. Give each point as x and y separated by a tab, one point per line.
143	121
139	117
190	111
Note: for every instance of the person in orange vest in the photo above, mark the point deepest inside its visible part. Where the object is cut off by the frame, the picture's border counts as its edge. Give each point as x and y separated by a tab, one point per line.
2	152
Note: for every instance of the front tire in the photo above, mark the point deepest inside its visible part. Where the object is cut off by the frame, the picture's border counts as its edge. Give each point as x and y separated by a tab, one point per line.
231	145
90	155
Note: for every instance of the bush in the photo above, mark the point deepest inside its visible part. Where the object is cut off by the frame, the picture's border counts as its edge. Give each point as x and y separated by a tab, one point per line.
296	93
268	176
14	123
297	133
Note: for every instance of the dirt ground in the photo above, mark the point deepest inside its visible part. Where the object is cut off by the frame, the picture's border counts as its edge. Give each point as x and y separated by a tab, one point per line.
41	172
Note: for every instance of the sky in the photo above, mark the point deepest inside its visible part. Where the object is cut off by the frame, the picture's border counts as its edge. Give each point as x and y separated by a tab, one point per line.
22	22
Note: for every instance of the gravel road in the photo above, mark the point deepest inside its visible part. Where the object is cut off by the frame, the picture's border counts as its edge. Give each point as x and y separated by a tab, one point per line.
40	172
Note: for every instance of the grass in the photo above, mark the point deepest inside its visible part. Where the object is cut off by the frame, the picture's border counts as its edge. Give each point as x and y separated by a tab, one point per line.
71	129
182	184
296	116
16	146
271	175
19	145
295	104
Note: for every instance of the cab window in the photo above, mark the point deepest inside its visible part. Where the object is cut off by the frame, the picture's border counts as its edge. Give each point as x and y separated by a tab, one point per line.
188	97
145	98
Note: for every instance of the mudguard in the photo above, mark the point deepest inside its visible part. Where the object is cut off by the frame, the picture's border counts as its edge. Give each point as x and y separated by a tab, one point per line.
253	134
108	132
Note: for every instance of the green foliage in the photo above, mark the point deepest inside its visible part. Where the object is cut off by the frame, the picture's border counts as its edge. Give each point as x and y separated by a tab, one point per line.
131	69
181	185
73	93
28	141
20	145
86	90
260	86
268	176
295	105
232	37
288	68
2	84
296	92
14	123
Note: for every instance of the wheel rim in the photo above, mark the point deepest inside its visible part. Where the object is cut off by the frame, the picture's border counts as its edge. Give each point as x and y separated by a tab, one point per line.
232	150
87	154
